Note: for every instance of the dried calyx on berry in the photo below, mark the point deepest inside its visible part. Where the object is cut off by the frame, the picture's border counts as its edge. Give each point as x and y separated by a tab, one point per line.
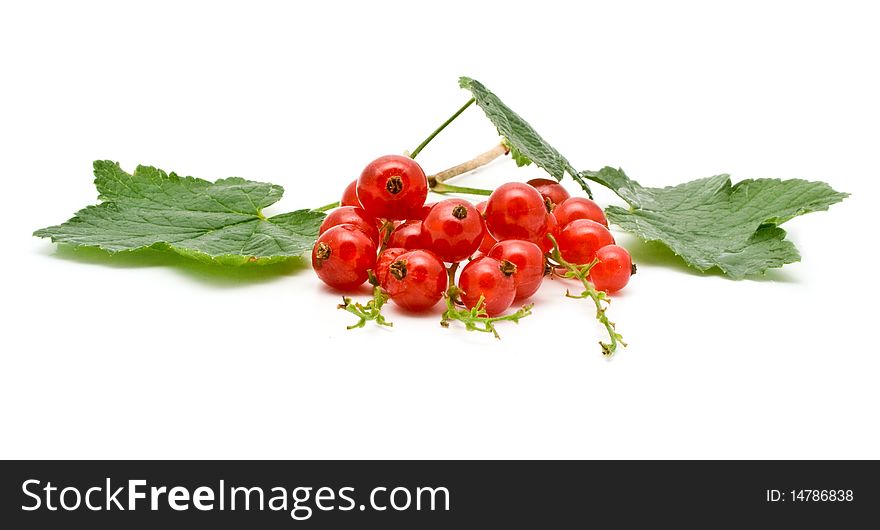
322	252
398	269
394	185
508	268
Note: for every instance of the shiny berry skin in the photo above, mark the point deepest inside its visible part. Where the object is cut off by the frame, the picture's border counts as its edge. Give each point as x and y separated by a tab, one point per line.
553	229
407	235
422	212
351	215
580	239
416	280
342	256
579	208
453	230
385	259
551	191
491	279
392	187
488	241
613	270
516	211
529	261
350	196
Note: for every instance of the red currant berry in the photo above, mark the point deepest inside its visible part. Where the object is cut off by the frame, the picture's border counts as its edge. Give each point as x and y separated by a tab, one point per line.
581	238
453	230
529	261
516	211
351	215
385	259
490	279
553	230
407	235
423	212
579	208
416	280
613	270
342	256
551	190
488	241
349	196
392	187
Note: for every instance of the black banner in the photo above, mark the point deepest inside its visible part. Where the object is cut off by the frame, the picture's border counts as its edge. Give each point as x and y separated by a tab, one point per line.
435	494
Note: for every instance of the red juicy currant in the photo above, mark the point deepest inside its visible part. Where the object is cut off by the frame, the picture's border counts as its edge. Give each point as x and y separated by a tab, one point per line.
349	196
386	258
551	190
580	239
552	229
416	280
342	256
422	212
488	241
407	235
579	208
491	279
392	187
529	261
612	271
453	230
516	211
351	215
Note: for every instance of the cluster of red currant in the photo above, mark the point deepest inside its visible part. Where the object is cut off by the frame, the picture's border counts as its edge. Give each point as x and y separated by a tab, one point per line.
385	233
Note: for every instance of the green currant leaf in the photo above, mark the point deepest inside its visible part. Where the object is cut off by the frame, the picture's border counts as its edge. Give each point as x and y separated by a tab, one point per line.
525	144
218	221
517	156
711	223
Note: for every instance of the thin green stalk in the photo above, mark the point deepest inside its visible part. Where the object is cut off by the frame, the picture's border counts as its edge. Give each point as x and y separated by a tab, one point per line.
372	310
444	188
326	207
450	272
385	234
582	273
475	319
427	140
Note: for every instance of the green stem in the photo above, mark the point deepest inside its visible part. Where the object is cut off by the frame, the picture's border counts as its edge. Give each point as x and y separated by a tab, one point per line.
427	140
475	319
444	188
582	272
326	207
385	234
372	310
451	274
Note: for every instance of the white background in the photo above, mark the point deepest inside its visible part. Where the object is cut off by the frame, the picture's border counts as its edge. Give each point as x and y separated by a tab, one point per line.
156	357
